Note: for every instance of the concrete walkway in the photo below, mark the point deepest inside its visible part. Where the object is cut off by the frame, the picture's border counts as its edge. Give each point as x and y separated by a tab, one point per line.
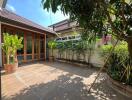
56	81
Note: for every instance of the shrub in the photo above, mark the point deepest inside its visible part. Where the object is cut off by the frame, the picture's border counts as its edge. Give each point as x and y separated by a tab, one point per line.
119	66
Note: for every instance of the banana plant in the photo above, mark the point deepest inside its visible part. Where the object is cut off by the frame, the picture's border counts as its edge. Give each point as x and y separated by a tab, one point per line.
6	46
52	45
16	44
10	46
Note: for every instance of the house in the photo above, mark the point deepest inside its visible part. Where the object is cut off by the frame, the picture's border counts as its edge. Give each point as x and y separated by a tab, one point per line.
69	30
66	30
34	35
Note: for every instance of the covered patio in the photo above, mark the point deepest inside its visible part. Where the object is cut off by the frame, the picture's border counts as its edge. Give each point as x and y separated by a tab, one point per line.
56	81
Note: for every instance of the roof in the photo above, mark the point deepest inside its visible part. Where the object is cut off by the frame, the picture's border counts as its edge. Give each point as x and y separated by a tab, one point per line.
8	15
60	23
64	25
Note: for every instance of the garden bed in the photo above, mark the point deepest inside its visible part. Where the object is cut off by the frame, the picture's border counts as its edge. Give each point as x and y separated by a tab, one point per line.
120	87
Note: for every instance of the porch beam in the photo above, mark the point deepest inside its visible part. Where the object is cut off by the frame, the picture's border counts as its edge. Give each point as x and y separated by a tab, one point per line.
45	47
0	46
21	28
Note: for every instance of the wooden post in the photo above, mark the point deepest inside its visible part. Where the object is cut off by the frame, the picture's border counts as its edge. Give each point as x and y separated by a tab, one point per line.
0	47
45	47
33	46
39	47
25	46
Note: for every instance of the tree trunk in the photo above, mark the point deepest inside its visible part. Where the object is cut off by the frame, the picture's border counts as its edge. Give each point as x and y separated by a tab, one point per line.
130	47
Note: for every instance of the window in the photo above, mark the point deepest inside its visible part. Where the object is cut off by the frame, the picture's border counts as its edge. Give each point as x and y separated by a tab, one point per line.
36	44
29	43
64	38
20	34
71	37
41	46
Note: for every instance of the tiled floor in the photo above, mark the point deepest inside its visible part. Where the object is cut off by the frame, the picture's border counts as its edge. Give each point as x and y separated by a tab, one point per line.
56	81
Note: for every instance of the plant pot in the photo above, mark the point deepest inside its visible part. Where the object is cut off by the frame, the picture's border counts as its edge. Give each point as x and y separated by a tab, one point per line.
51	59
9	68
15	65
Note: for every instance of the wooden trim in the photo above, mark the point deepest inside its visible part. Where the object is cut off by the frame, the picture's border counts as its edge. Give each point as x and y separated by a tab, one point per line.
45	47
20	54
25	46
15	30
20	27
28	54
32	46
39	46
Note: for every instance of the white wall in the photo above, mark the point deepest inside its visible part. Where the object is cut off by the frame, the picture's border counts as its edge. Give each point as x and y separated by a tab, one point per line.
96	59
0	48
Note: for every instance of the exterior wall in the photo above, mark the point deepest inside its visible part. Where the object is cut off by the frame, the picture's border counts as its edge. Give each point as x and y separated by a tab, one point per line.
0	47
74	30
67	34
96	59
35	39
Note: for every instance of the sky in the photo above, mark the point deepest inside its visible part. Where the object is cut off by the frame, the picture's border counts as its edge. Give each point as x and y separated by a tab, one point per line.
33	10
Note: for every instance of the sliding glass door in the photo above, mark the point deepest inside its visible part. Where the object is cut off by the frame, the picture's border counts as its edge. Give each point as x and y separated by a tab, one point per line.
29	46
36	46
20	52
33	44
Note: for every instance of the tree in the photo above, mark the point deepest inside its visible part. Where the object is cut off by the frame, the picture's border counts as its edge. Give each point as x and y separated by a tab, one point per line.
98	16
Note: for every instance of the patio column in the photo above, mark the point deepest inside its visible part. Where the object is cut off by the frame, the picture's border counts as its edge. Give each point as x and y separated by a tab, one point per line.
45	47
0	47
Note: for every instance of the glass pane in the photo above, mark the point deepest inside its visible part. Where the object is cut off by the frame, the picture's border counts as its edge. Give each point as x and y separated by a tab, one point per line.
20	51
36	44
35	56
42	56
41	44
29	43
20	58
29	57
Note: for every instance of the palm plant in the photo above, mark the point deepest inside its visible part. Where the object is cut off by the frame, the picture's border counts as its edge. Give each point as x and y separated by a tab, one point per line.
6	46
79	49
52	45
10	46
16	44
68	46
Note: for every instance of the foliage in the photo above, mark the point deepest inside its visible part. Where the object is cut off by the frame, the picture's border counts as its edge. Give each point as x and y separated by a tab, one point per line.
52	45
6	46
119	65
16	44
79	47
11	44
98	16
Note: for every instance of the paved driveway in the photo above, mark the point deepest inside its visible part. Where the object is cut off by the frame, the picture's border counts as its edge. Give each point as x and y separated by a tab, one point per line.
56	81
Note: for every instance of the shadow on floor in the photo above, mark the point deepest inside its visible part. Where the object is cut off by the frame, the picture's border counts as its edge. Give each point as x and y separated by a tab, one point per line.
77	70
67	88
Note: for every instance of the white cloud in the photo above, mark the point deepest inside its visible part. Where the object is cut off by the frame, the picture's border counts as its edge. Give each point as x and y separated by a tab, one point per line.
11	8
54	18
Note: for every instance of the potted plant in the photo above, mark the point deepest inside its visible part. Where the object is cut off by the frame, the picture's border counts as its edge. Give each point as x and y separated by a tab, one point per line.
52	46
10	47
16	44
